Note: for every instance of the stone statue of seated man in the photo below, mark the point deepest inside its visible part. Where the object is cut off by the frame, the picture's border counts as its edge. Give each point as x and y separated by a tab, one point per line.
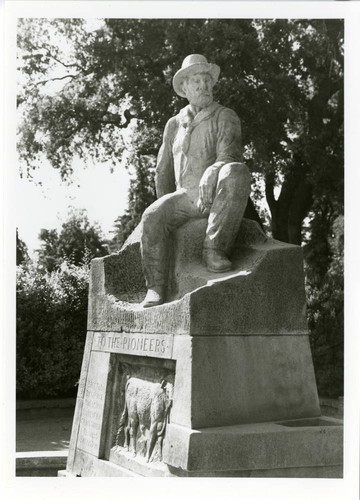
198	174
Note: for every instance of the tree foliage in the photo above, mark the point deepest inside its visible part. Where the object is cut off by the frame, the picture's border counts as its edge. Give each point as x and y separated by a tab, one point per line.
78	242
141	195
283	77
325	299
108	95
51	316
51	308
22	255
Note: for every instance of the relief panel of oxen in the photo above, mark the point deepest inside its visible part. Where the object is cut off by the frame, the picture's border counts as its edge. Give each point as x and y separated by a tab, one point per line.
145	413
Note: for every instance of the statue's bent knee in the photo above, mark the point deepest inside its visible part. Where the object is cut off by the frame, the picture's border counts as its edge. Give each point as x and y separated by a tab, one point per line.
152	216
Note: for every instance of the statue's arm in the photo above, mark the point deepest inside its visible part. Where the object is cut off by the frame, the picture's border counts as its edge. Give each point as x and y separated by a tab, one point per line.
228	150
229	146
164	173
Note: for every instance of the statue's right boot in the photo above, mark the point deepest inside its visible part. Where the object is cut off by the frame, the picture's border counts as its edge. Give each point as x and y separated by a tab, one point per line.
226	213
216	261
155	296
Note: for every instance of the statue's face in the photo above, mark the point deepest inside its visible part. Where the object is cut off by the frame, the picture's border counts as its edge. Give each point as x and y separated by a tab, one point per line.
198	89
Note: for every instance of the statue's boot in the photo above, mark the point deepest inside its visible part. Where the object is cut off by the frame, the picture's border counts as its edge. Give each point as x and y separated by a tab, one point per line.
154	297
216	261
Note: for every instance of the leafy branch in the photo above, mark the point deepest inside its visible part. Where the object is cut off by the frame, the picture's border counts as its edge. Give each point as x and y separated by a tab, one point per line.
43	82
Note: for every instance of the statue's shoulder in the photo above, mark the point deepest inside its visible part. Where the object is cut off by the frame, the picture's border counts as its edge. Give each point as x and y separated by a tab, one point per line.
171	127
173	120
225	114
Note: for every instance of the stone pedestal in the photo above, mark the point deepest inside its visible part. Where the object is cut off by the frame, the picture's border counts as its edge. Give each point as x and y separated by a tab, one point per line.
218	381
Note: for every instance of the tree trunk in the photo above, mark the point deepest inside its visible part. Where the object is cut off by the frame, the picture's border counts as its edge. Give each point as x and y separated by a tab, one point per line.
300	206
279	225
252	214
292	206
279	208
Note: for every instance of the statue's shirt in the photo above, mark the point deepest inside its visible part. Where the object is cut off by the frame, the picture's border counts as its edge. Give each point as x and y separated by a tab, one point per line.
193	143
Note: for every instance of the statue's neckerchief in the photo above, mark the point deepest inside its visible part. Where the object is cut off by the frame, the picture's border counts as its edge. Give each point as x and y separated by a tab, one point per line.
189	121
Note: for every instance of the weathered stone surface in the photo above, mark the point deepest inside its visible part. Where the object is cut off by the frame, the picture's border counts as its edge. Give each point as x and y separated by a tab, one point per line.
326	471
92	420
188	271
264	291
87	465
253	450
153	345
139	464
40	463
263	378
123	275
110	469
145	410
254	446
120	275
237	348
79	401
199	173
221	370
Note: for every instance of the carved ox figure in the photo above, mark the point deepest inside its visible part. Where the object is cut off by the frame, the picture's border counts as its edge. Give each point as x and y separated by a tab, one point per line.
147	406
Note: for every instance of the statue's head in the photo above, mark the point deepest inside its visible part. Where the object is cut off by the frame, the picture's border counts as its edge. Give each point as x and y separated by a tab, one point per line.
196	79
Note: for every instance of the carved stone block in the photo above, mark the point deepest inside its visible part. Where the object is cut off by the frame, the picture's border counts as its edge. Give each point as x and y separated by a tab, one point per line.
146	395
212	383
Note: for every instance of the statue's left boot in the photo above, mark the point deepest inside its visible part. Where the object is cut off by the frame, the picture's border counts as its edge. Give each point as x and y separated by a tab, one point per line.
154	297
216	261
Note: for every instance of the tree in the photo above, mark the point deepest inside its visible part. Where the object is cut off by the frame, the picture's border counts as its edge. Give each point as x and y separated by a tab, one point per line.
78	241
315	142
48	255
141	195
325	298
22	254
51	315
283	77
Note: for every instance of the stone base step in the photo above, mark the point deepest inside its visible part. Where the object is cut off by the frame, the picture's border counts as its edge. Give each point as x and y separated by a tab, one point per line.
308	448
40	463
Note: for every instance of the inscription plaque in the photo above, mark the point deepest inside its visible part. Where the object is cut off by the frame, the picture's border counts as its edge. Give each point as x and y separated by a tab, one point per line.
153	345
93	404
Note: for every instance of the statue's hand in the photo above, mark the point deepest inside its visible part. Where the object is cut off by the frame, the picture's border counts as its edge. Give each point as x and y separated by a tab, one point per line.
207	188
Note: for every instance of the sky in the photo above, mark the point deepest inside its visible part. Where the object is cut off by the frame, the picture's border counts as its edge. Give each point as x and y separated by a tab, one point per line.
94	188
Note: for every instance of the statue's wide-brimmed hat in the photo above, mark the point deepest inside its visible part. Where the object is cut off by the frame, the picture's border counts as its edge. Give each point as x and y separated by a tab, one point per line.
191	64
